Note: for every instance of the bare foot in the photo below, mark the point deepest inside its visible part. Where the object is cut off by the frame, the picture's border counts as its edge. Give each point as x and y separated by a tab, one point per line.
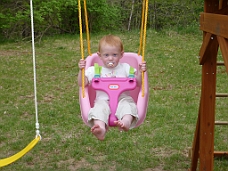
123	125
98	132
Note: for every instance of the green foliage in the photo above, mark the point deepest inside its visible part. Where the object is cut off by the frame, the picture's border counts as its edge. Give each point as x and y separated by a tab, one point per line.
169	14
56	17
103	16
60	16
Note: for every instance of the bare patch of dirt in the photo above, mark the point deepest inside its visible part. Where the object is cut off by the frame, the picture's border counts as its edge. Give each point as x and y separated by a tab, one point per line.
158	168
8	53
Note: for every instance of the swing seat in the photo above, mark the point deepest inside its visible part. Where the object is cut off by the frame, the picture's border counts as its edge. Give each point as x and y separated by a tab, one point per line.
113	87
9	160
133	59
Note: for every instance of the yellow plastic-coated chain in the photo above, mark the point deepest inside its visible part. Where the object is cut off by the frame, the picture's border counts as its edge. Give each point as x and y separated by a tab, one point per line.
144	31
81	46
144	43
87	28
142	25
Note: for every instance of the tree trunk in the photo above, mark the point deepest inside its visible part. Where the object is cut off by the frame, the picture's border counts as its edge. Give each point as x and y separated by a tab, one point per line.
132	9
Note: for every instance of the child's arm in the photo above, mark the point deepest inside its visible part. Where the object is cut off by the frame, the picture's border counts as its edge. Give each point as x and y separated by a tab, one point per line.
81	65
138	75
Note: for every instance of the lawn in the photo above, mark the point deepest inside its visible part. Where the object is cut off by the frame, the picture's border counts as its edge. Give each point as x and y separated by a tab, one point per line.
161	143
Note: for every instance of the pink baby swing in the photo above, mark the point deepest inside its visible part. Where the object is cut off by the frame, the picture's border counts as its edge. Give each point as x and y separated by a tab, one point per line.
114	86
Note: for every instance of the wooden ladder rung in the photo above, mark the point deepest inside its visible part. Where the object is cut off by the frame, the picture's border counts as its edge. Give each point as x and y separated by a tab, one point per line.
220	63
221	95
221	122
221	153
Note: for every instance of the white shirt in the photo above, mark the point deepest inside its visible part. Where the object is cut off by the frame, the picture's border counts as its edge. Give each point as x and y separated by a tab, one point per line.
121	70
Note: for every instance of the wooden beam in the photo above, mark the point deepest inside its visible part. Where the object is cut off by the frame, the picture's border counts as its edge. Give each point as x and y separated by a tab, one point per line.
223	11
221	95
221	153
206	42
220	63
223	43
207	112
222	4
221	123
211	5
216	24
195	146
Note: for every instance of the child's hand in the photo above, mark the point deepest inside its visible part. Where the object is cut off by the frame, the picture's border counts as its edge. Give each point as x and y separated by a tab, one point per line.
81	64
142	67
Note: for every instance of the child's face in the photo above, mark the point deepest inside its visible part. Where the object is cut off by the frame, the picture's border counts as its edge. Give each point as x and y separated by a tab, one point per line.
110	55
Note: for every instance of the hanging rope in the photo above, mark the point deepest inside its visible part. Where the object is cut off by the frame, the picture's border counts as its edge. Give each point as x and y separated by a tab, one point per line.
142	27
9	160
81	46
144	17
87	28
145	4
34	70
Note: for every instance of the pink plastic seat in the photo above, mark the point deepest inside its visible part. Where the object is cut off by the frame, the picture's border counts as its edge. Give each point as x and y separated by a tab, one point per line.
113	87
87	102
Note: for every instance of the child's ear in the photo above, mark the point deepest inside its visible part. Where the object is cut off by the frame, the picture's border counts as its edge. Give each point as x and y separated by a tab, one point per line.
122	53
99	54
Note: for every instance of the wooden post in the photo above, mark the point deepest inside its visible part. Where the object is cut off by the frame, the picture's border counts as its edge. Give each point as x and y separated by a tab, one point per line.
207	110
213	22
208	91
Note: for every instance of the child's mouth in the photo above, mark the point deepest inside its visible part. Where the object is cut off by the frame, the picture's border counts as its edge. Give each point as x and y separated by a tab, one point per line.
110	64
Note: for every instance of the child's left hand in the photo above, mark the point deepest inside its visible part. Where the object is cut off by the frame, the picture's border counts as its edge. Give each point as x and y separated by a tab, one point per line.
142	67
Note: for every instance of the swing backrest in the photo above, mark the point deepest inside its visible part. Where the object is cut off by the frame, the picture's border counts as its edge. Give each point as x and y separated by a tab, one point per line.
133	59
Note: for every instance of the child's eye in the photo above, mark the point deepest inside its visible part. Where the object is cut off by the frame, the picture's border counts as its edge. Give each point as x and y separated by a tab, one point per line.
106	55
114	55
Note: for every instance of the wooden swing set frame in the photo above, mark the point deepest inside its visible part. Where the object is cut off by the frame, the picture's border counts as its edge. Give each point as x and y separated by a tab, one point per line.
214	24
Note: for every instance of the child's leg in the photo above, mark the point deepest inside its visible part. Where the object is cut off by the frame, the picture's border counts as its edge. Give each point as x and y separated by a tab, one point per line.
99	129
126	113
98	118
125	122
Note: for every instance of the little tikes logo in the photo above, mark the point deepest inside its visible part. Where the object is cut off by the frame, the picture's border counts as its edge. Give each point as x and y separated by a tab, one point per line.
113	86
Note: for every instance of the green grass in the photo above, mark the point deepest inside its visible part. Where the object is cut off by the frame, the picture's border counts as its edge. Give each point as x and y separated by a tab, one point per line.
160	143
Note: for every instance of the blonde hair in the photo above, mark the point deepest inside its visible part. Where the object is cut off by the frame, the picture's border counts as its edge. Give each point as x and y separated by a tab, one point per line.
110	40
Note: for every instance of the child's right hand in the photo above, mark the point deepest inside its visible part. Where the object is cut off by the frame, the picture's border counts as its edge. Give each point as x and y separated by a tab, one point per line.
81	64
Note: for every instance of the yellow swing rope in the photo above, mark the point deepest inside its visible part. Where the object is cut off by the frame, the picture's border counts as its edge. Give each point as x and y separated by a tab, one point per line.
87	28
142	26
81	40
142	45
81	46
